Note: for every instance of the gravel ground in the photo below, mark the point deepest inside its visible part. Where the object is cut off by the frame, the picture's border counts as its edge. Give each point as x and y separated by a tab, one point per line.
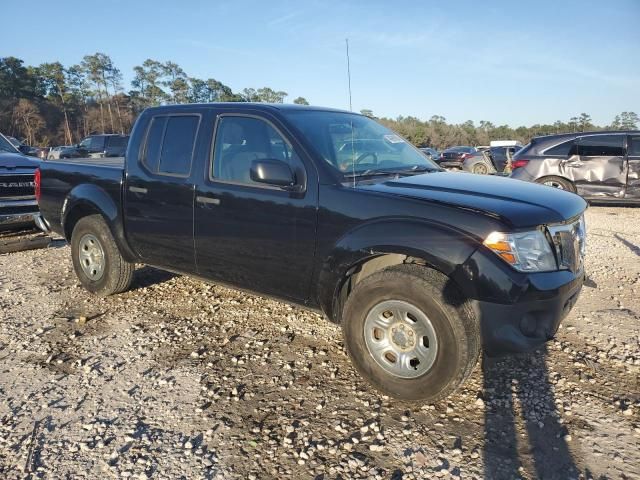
180	379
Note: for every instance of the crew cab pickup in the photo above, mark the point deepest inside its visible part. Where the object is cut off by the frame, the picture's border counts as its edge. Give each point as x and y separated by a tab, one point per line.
332	211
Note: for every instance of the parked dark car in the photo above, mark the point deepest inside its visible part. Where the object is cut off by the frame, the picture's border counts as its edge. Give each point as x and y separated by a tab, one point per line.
453	157
431	153
98	146
421	267
603	166
18	205
490	160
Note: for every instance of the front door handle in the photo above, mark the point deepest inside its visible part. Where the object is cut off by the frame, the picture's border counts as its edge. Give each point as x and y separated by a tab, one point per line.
138	190
208	200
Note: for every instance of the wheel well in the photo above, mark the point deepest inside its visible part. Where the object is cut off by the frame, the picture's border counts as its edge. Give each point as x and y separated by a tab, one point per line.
74	216
362	270
547	177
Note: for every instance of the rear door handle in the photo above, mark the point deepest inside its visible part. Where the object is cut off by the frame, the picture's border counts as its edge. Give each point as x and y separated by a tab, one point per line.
208	200
137	190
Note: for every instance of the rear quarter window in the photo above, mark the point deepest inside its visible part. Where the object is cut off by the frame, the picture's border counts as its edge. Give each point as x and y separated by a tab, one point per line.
560	150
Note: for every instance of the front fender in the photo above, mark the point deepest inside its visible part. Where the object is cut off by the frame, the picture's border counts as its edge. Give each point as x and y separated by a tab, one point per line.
88	199
438	246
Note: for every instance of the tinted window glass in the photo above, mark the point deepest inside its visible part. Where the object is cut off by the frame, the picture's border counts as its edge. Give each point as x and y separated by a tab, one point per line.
561	150
634	146
241	140
154	143
177	147
96	144
118	142
601	146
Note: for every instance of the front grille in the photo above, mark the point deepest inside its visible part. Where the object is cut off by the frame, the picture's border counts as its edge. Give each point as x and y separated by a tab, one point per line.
16	186
569	242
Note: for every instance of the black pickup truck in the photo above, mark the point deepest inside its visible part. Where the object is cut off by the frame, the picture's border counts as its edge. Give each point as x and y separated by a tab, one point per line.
332	211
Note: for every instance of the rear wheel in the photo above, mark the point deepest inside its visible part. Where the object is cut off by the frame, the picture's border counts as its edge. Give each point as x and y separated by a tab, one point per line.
557	182
480	168
96	258
410	333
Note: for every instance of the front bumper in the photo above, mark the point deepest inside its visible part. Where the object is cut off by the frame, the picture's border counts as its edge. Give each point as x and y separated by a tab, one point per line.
518	312
526	325
17	213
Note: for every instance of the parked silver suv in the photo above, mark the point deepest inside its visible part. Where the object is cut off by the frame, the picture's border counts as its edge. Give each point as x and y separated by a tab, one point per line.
603	166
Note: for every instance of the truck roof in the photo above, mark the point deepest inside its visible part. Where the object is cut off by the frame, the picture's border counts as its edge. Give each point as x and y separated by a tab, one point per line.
248	106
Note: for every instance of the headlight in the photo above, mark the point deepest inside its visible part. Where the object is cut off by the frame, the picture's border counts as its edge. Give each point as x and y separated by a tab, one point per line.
524	251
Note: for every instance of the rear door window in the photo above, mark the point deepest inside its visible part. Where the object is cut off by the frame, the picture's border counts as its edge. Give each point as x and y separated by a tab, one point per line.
601	146
177	147
96	144
169	144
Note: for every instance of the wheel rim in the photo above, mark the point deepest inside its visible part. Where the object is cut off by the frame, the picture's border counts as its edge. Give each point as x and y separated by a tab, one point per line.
554	184
91	257
400	338
480	169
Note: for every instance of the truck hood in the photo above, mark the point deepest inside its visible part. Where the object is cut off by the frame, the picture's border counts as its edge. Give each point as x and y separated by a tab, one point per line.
12	161
516	203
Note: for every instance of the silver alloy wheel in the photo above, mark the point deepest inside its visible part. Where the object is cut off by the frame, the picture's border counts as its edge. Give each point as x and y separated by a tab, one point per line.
554	184
91	257
480	169
400	338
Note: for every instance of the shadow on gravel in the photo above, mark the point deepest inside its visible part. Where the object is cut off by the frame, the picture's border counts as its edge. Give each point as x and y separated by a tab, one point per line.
518	388
634	248
148	276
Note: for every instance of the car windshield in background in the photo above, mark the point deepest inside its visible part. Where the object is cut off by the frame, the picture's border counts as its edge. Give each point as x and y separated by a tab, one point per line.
354	144
6	146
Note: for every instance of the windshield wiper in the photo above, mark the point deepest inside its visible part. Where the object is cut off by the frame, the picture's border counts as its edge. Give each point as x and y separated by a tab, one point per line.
370	173
416	169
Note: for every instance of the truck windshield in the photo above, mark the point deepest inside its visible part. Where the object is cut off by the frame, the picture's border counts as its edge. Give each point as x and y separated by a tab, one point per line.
6	146
355	145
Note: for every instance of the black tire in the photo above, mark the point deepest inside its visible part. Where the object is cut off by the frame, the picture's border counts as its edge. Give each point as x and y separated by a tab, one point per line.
117	274
455	325
557	182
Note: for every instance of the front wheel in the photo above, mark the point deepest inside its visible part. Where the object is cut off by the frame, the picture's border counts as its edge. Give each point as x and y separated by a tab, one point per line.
96	258
410	333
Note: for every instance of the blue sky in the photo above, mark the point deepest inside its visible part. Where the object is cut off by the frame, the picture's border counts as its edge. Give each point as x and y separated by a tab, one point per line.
508	62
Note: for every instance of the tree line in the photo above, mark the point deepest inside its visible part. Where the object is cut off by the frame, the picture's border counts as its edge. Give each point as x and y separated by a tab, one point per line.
50	104
437	133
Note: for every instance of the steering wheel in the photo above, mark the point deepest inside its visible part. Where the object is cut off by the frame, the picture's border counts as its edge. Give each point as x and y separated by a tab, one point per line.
365	155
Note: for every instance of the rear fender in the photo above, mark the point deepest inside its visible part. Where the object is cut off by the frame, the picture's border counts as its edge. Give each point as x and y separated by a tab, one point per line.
89	199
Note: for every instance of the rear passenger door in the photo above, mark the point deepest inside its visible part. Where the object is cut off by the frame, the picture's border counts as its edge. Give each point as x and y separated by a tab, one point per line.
159	192
633	170
599	166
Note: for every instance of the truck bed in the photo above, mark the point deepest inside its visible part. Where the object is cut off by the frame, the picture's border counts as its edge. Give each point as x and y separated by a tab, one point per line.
61	178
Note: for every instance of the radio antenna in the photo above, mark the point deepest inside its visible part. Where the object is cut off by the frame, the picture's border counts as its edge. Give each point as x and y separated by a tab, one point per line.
349	74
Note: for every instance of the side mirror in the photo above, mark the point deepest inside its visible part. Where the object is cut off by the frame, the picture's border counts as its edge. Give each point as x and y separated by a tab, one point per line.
272	172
